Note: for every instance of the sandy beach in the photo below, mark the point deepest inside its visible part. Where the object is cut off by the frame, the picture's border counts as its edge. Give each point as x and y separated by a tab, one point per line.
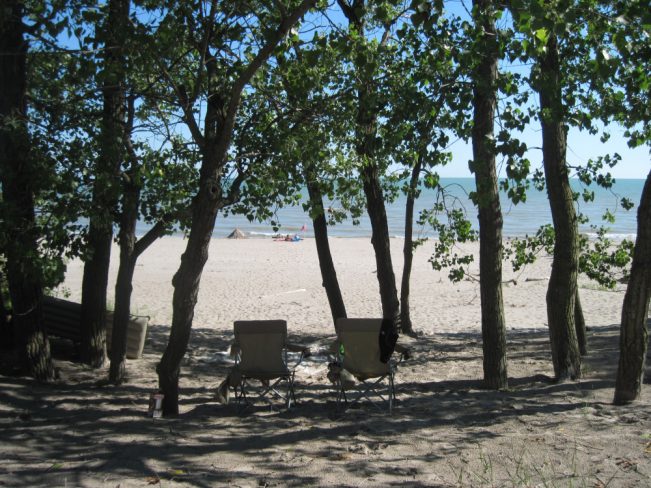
445	430
263	278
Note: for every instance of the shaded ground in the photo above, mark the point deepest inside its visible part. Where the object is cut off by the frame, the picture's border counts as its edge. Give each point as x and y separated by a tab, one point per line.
445	430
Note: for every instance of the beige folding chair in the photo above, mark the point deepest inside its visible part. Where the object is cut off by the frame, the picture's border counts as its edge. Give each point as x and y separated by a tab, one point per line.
358	351
260	350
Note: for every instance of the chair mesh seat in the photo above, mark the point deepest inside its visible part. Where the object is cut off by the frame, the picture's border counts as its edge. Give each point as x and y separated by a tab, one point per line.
261	347
359	355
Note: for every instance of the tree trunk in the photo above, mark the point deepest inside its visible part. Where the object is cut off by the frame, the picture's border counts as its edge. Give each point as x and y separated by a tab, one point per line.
186	287
123	285
579	320
408	250
220	120
381	243
6	329
105	188
17	171
488	201
561	292
327	266
634	334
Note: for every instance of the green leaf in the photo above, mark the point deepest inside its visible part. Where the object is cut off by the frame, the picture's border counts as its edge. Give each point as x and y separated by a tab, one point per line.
542	35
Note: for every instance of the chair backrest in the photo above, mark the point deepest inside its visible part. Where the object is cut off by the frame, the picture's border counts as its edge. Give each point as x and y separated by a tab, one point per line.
361	342
262	345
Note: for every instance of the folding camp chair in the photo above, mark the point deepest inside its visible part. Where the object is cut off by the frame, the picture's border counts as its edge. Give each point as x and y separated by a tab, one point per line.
260	350
358	353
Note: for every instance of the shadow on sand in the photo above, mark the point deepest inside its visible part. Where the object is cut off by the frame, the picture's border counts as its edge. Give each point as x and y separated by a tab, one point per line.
76	430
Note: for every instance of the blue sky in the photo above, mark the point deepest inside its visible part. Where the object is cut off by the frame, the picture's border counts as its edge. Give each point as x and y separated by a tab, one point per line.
635	163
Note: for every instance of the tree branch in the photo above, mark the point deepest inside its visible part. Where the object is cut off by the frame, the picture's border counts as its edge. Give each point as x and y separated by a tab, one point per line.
264	53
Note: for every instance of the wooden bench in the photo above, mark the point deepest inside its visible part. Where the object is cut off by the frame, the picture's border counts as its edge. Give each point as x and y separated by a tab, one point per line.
62	318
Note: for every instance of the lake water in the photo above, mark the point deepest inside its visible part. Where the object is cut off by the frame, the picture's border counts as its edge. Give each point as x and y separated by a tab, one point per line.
519	220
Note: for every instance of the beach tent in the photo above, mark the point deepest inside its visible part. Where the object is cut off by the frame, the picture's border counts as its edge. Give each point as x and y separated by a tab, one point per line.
237	234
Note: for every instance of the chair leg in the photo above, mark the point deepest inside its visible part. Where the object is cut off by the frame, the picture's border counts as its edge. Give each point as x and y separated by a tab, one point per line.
392	392
291	397
341	394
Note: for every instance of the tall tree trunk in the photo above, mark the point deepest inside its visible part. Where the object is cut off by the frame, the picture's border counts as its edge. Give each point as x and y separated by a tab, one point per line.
17	172
488	200
105	188
634	334
561	292
220	120
579	320
408	250
327	266
186	281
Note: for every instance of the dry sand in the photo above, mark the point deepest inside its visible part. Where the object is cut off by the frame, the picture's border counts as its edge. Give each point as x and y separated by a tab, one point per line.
445	430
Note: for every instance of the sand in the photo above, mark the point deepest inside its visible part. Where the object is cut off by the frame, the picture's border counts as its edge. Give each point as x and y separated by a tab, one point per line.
445	430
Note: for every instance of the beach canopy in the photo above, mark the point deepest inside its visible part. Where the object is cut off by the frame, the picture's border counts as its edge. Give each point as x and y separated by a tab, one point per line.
237	234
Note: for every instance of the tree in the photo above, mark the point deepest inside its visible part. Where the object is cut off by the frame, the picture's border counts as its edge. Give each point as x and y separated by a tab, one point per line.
366	56
634	335
18	168
421	83
555	82
308	140
162	204
562	289
487	196
105	186
627	28
223	80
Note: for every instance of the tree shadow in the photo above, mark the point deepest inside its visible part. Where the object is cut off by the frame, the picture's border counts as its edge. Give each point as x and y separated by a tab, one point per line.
78	429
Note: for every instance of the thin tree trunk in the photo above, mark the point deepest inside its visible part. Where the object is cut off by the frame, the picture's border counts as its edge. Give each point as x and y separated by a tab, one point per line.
381	244
408	250
561	293
17	171
123	285
327	266
488	202
105	189
579	320
634	334
6	329
129	255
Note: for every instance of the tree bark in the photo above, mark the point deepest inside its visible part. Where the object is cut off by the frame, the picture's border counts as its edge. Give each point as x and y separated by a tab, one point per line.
130	251
634	334
408	251
579	319
562	289
488	201
6	329
123	285
327	266
220	120
17	172
381	244
105	188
